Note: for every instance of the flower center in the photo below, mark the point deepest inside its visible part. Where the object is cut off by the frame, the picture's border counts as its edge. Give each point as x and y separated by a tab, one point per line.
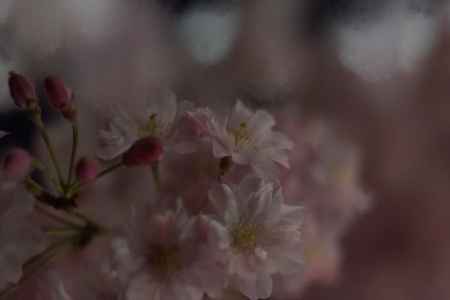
244	237
166	260
241	134
150	128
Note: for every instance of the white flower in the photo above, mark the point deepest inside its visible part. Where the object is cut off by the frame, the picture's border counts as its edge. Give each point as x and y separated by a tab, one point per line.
247	137
20	239
173	259
261	233
158	119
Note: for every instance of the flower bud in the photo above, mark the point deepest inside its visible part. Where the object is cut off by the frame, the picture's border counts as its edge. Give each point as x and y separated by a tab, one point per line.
145	151
70	113
17	163
58	94
22	90
86	170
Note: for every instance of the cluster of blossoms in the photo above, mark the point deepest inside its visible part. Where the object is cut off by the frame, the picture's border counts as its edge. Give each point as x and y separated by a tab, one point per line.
232	245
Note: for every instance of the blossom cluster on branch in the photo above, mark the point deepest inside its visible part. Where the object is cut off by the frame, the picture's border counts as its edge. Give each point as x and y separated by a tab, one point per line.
212	223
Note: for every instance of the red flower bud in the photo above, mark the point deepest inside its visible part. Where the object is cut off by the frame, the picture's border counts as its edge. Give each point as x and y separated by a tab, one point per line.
86	170
58	94
22	90
145	151
17	163
70	113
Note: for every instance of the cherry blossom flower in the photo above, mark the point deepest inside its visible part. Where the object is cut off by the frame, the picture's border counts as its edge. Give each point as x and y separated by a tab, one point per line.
97	284
247	137
158	120
261	233
335	195
20	239
327	180
170	257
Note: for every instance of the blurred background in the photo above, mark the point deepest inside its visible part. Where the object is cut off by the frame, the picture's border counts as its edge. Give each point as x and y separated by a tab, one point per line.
377	71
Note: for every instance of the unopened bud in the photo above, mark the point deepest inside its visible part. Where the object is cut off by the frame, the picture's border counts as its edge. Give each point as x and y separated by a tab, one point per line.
87	170
17	163
22	90
145	151
58	94
70	113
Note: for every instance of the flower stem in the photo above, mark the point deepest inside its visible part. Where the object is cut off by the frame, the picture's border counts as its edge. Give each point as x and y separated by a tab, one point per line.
75	138
85	219
38	165
109	170
46	138
46	212
32	186
61	232
75	187
156	175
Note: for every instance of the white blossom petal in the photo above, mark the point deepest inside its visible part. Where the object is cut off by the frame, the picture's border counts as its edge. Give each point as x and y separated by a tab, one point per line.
248	186
220	149
266	169
260	123
180	259
117	137
265	239
257	287
248	137
292	214
224	203
165	108
20	238
240	114
221	236
143	287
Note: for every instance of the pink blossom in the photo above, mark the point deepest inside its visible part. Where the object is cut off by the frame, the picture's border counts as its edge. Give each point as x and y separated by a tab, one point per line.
20	238
247	137
260	232
169	258
158	118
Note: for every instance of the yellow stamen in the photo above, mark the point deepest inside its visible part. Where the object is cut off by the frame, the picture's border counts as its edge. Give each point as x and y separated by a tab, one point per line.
241	134
244	237
151	127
